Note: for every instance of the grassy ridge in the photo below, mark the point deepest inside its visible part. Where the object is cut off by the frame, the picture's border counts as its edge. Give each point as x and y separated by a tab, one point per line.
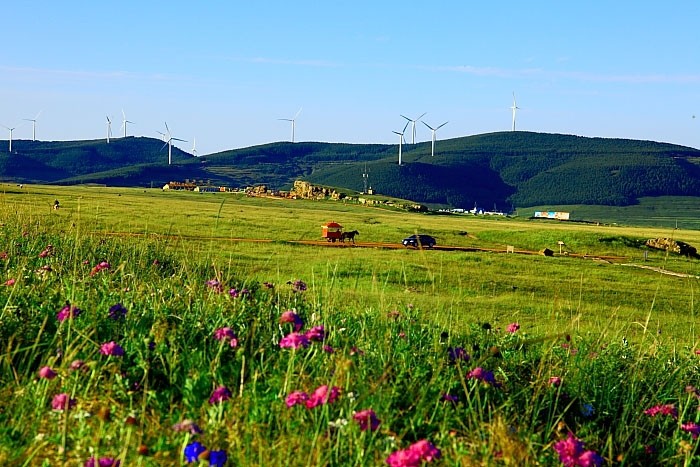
621	339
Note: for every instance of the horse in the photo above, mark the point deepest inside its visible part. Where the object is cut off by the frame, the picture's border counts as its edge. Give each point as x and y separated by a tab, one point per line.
349	235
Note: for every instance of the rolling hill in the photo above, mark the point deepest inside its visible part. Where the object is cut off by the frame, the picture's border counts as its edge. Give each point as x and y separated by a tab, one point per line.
503	169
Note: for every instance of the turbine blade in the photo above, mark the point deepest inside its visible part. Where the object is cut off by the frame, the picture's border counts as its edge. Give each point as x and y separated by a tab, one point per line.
406	118
297	114
442	125
404	128
424	113
429	126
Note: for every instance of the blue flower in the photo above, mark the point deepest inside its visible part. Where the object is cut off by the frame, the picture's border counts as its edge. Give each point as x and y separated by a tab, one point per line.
217	458
193	450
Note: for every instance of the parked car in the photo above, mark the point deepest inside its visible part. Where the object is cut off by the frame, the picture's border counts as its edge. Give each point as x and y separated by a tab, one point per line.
419	241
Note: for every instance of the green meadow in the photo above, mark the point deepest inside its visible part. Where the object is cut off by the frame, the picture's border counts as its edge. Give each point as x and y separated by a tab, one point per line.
492	357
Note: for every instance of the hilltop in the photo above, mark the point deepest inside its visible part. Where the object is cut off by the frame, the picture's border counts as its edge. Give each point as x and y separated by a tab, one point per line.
503	169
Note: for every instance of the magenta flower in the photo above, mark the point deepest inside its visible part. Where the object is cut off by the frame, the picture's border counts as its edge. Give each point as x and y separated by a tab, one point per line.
112	349
47	373
414	455
290	316
100	267
316	333
447	397
102	462
513	328
76	364
10	282
692	428
322	395
47	251
485	376
328	349
555	381
234	293
226	334
68	312
571	453
665	409
367	420
296	397
294	340
62	401
220	394
215	285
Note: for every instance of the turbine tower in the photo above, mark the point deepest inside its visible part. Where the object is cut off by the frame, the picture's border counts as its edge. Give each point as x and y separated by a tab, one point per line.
109	129
401	140
33	120
124	122
169	143
514	108
11	130
293	120
413	126
194	146
433	130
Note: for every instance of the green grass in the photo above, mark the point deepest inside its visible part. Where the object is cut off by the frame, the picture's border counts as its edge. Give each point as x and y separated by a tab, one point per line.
623	339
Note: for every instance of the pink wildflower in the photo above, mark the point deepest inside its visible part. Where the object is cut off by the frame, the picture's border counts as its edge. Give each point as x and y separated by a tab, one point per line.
328	349
665	409
296	397
290	316
226	334
215	285
112	349
367	420
220	394
571	453
100	267
10	282
47	251
692	428
316	333
555	381
697	352
76	364
294	340
485	376
68	312
102	462
47	373
513	328
421	451
62	401
322	395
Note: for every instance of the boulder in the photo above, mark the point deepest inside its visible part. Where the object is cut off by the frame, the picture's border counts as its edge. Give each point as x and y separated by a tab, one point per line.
546	252
674	246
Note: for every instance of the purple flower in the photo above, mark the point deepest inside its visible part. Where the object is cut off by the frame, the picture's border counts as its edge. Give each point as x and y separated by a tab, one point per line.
268	285
485	376
323	395
215	285
234	293
298	285
296	397
217	458
367	420
457	353
665	409
316	333
68	312
187	425
220	394
62	401
513	328
117	311
692	428
294	340
193	451
571	453
447	397
47	373
328	349
112	349
102	462
226	334
290	316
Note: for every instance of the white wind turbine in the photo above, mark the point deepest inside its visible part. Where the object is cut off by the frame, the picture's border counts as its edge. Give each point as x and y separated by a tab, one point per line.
109	129
169	142
11	130
33	120
413	126
124	122
401	139
194	146
433	130
514	108
293	120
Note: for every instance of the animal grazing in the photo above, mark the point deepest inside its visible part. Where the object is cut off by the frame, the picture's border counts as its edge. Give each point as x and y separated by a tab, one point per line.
349	236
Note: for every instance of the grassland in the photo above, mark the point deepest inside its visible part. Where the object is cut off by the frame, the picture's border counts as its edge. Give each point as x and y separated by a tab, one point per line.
622	338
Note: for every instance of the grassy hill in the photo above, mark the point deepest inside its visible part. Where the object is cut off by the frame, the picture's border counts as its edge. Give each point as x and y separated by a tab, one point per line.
502	169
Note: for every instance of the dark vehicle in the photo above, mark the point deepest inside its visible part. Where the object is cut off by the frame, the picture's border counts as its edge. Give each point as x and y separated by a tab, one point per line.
419	241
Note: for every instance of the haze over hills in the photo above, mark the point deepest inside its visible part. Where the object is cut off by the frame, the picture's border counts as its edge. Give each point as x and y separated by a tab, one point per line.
503	169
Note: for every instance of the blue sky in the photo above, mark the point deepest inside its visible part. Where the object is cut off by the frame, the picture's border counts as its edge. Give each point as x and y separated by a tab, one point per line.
225	72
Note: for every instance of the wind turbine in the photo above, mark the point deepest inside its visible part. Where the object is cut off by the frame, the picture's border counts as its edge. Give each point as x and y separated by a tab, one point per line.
109	129
293	120
433	130
401	139
413	126
124	122
194	146
514	108
169	142
11	130
33	120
